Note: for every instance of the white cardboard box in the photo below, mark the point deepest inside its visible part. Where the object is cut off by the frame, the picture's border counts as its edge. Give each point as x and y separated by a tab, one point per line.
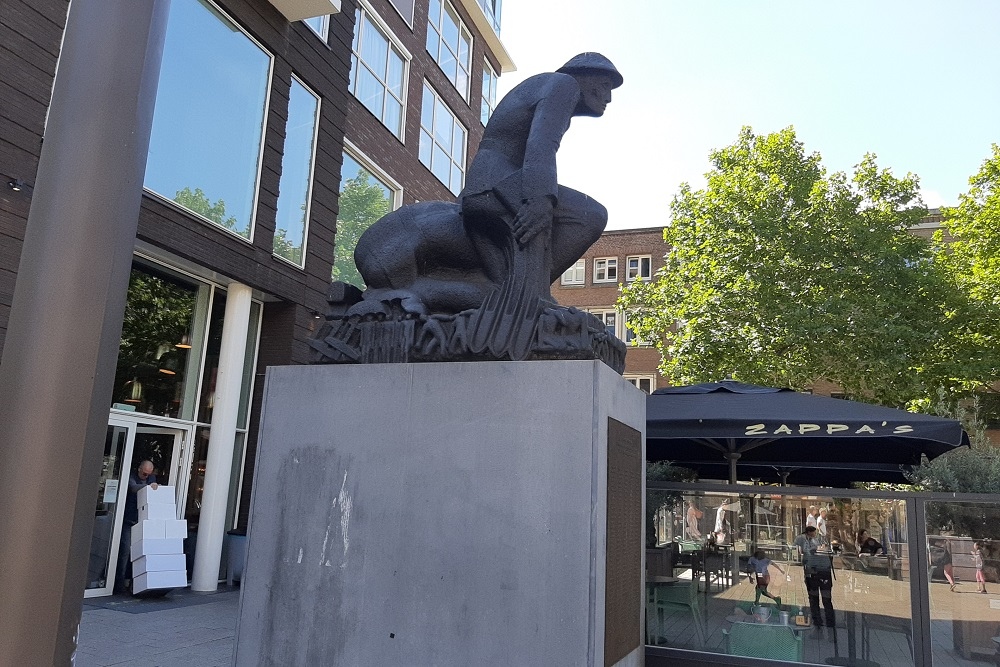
158	563
149	529
161	495
173	545
166	579
157	511
176	528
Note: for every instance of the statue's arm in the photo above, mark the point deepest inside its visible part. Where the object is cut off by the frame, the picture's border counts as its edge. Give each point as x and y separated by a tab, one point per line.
539	183
549	123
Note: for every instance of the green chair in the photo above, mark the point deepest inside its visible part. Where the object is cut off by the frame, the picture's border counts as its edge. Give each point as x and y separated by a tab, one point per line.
759	640
661	598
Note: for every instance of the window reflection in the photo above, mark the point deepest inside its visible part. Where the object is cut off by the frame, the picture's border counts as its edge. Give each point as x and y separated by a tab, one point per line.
157	334
207	134
296	174
963	555
723	567
363	200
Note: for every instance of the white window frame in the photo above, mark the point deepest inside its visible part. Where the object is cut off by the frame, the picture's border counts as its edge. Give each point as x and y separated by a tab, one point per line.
440	103
324	26
372	168
489	94
603	313
603	267
366	10
407	19
629	337
637	274
463	31
312	180
636	378
576	274
260	153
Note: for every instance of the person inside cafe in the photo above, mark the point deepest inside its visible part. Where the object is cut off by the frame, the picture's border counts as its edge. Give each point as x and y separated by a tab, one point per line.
758	566
811	515
817	565
693	516
868	545
821	525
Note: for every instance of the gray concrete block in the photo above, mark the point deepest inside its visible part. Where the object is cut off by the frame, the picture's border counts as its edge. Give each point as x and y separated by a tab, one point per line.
434	514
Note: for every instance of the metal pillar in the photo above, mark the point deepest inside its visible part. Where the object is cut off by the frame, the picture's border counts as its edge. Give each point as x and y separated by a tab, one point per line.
222	439
62	342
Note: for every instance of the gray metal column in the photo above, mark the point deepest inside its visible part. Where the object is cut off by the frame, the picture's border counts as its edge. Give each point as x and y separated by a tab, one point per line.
62	342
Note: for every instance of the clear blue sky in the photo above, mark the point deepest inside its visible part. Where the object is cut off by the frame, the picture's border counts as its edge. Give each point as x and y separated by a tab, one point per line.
917	82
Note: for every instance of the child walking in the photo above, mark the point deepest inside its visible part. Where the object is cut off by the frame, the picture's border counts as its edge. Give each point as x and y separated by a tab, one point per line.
758	566
977	556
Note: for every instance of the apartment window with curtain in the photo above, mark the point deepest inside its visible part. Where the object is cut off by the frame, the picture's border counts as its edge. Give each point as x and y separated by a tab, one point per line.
378	71
295	187
207	138
450	44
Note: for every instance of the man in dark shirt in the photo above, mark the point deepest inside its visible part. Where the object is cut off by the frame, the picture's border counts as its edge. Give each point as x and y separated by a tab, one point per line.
817	565
138	478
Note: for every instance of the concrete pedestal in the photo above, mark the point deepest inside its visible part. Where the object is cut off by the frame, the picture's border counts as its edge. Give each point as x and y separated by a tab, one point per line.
446	514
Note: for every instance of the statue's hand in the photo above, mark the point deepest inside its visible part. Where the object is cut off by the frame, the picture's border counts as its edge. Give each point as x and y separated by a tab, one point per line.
534	217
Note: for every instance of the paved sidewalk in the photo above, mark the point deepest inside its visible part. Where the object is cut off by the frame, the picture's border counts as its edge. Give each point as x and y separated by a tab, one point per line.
180	629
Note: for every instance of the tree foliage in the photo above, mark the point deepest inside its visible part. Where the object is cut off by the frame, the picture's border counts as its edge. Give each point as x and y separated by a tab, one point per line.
779	273
199	202
362	203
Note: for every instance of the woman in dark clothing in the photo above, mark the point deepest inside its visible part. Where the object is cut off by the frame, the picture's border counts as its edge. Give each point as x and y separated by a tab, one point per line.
868	544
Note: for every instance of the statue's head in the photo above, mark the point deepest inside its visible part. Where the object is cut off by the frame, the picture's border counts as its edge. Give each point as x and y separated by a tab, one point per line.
597	77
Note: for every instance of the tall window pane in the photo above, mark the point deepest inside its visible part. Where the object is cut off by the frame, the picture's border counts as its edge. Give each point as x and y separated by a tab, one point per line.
363	200
450	44
205	145
489	93
378	74
492	10
442	141
296	174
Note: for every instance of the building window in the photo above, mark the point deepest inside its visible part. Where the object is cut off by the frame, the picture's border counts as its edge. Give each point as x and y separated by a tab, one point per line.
492	10
320	25
576	274
638	267
606	270
208	127
405	9
378	71
608	317
647	383
631	338
442	141
450	44
489	92
364	198
295	186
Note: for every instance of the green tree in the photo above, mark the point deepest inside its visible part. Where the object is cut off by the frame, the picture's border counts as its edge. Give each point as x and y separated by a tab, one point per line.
362	203
199	202
779	273
969	252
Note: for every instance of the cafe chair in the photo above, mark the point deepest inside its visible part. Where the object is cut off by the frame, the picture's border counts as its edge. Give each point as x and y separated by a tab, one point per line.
767	641
663	599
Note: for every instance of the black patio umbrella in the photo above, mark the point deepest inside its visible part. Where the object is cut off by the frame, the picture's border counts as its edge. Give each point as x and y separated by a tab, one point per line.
765	432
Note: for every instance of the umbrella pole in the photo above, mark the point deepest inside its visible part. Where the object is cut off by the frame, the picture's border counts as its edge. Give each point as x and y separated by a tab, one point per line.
733	458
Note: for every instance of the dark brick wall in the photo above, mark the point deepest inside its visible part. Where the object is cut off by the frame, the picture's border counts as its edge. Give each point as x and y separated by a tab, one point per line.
30	36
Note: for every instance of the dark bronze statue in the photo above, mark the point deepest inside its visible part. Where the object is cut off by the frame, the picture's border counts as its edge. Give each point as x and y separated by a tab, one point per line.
470	280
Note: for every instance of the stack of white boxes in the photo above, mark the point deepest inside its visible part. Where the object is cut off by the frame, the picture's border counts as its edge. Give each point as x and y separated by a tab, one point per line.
158	542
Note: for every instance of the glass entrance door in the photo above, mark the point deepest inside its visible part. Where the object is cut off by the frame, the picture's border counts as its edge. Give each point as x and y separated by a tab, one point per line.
129	442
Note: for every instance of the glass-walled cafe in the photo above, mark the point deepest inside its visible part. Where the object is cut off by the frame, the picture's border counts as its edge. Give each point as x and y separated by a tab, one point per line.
896	578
